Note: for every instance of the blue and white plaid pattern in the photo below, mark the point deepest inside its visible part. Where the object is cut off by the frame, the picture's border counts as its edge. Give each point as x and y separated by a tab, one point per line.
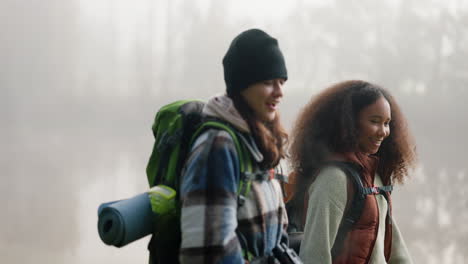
214	229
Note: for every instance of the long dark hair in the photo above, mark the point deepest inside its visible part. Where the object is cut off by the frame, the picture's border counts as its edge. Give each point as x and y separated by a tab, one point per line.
328	124
270	137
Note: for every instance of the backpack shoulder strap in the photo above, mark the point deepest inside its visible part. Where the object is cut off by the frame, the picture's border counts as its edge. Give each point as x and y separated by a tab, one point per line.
354	212
355	209
245	162
230	131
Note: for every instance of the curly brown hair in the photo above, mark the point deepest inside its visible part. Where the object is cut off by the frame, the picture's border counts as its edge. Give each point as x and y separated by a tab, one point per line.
328	124
270	137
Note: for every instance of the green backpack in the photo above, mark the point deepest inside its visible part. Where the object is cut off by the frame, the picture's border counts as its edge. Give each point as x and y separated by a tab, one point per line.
175	128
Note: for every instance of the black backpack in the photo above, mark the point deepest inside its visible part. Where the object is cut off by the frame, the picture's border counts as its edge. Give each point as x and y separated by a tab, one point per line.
296	213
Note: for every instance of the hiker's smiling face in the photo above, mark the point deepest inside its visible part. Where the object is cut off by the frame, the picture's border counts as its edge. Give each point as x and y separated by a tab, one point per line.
264	97
374	125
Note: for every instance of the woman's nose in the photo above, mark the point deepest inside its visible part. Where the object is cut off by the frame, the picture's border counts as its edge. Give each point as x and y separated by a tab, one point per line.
278	88
383	131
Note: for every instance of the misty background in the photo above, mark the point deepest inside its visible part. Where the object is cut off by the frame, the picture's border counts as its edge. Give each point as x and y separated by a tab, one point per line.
81	80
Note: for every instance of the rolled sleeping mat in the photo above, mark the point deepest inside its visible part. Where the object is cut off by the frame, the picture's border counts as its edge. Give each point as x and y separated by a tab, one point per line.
124	221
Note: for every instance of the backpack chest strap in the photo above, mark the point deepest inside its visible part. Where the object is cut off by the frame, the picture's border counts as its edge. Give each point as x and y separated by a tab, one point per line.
382	190
377	189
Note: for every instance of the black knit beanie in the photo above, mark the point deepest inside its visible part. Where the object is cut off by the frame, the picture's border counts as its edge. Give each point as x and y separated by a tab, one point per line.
253	56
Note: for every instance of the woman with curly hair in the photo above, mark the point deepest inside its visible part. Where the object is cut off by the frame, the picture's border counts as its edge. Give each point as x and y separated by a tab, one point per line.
358	124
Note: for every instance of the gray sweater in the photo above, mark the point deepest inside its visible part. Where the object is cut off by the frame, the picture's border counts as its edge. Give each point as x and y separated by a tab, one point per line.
327	201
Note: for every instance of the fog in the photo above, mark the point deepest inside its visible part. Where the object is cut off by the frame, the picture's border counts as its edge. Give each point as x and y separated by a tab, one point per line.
80	83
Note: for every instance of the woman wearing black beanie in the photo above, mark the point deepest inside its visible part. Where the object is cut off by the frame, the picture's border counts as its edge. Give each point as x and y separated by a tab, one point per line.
231	215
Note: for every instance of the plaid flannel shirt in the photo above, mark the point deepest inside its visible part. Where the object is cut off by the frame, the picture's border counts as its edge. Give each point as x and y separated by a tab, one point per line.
214	228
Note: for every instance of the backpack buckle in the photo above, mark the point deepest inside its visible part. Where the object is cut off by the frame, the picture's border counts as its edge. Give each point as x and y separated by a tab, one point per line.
375	190
272	174
240	200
